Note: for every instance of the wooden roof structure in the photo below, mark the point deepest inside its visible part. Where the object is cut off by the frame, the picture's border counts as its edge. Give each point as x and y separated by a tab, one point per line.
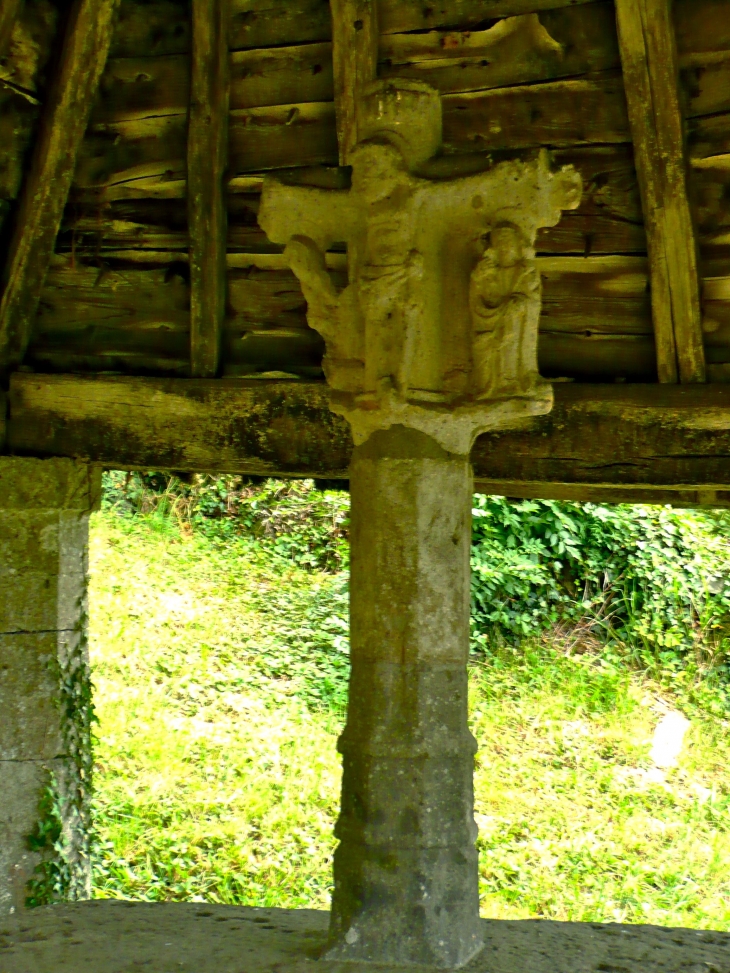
146	320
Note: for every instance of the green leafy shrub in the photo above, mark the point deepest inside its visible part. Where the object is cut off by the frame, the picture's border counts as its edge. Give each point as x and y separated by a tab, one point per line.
293	518
654	581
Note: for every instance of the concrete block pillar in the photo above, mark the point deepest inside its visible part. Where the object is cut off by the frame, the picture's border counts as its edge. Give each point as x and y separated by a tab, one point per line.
405	870
45	706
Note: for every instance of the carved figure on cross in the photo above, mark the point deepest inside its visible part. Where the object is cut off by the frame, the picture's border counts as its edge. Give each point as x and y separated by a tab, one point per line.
407	340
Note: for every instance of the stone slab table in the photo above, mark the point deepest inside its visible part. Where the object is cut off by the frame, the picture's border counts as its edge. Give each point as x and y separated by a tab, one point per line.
126	937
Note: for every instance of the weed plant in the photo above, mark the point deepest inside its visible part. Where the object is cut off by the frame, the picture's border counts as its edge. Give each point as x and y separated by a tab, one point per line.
219	644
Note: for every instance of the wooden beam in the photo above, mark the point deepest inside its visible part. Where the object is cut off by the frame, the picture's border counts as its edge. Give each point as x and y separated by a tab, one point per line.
355	63
9	11
587	493
206	165
651	78
601	442
43	198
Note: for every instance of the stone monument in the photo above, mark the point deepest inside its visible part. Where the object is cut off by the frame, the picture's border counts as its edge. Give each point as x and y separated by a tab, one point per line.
432	341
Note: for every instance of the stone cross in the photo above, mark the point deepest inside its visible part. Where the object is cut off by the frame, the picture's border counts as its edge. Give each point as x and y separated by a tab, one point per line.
437	327
432	341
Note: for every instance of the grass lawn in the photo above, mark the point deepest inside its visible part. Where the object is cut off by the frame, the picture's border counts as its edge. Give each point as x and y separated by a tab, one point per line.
219	674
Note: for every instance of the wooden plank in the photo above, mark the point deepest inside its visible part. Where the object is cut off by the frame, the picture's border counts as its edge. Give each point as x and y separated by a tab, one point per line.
586	493
646	39
89	230
355	36
147	28
134	151
708	139
595	324
707	88
283	136
266	23
144	87
397	16
594	357
557	113
628	436
702	29
65	115
632	435
518	50
207	159
9	11
282	75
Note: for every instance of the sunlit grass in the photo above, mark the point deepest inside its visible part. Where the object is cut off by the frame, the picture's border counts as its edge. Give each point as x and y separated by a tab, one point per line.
217	776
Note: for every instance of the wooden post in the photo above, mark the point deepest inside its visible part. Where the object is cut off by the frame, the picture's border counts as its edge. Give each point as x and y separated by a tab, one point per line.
649	59
207	161
43	198
355	62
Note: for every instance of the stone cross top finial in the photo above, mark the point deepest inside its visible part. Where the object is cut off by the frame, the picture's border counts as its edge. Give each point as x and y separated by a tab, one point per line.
437	327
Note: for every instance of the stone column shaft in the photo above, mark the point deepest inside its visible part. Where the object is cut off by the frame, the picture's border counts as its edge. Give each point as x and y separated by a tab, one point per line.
45	750
405	870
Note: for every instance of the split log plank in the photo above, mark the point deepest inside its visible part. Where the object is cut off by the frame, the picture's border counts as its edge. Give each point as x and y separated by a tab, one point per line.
155	27
561	43
648	52
702	29
587	493
397	16
9	11
608	220
597	437
521	50
355	36
66	112
595	324
558	113
207	158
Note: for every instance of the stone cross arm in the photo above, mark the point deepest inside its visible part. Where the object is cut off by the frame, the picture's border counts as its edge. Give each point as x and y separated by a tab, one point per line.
525	192
326	216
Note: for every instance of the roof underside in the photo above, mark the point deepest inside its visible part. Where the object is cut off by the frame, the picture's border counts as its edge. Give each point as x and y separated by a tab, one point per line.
117	293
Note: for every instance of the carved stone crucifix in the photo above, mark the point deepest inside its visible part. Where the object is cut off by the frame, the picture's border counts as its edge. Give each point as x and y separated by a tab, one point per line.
432	341
437	327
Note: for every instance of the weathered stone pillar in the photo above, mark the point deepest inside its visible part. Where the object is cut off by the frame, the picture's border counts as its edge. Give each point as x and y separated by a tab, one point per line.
432	342
406	884
45	706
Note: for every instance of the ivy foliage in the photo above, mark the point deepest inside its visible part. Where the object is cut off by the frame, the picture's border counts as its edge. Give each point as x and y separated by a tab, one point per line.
650	580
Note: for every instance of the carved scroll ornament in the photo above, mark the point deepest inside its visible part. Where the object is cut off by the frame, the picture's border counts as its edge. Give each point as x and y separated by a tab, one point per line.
437	327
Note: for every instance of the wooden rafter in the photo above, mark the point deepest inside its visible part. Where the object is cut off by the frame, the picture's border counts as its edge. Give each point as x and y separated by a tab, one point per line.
355	63
207	158
649	59
45	191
